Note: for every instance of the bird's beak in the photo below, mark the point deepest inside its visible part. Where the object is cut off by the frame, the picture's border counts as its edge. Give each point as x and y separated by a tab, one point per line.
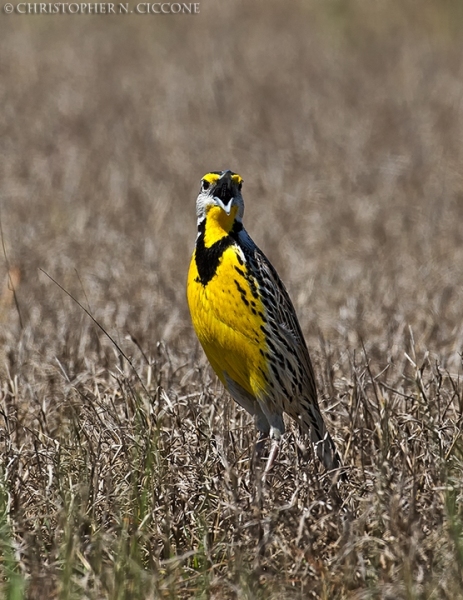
224	192
225	207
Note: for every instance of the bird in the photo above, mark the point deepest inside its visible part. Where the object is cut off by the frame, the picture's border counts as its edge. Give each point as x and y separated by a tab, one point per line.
247	325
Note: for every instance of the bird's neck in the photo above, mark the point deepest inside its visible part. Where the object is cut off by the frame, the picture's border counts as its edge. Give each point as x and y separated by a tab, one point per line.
217	225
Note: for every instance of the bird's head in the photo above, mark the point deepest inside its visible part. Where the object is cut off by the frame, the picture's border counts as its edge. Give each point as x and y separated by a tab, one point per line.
221	191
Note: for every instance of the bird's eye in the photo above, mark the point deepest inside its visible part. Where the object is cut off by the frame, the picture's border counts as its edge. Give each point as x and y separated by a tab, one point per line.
205	184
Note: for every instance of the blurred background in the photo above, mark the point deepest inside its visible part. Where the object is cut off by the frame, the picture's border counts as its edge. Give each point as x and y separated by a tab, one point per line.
345	119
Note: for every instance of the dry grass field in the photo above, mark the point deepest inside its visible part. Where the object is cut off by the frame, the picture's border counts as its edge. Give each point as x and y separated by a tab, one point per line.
134	479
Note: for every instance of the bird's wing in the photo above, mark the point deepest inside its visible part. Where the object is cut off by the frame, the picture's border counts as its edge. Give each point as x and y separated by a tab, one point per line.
284	327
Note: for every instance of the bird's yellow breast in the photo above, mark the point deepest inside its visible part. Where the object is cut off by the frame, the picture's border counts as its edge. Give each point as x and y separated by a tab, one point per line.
229	318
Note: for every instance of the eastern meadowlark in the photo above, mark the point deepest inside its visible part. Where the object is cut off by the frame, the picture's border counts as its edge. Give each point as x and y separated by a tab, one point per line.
246	322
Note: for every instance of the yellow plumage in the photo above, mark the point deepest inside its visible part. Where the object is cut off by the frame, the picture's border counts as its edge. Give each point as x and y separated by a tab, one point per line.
230	334
245	321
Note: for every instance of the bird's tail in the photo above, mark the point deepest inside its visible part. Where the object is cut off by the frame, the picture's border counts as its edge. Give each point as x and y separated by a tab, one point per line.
322	440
